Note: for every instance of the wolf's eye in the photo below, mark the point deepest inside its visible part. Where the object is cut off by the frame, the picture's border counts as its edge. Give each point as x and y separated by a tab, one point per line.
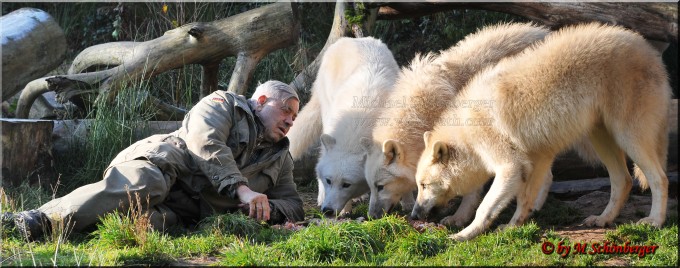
328	181
345	185
422	185
380	187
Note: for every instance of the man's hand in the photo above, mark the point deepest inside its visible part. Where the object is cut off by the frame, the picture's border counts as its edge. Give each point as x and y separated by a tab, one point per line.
258	203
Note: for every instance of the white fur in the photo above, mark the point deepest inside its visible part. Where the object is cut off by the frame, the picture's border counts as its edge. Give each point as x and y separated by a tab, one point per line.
429	84
354	77
604	83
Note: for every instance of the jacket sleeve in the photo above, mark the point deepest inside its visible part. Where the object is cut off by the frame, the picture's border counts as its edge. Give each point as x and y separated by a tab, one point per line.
208	127
284	197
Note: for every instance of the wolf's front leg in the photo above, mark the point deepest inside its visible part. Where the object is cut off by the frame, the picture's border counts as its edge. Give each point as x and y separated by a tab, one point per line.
347	209
532	195
465	211
503	189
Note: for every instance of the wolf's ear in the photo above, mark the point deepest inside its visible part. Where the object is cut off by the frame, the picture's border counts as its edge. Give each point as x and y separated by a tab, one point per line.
440	152
393	151
426	137
366	144
327	142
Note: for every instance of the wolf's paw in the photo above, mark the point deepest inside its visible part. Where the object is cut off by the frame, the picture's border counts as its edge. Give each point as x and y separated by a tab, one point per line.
454	220
505	226
651	221
598	221
459	237
344	213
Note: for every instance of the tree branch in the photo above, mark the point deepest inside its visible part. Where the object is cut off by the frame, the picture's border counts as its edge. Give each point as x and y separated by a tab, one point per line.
656	21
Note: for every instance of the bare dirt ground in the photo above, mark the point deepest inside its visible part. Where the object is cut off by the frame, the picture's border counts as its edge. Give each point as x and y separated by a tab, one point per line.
593	203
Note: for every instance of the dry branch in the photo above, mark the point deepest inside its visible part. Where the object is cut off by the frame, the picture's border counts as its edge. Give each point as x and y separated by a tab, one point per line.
250	36
305	79
656	21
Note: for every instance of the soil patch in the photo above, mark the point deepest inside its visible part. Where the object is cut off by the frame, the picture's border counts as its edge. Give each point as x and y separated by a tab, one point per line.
593	203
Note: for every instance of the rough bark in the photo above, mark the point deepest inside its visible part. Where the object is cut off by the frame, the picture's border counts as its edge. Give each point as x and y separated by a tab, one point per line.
33	44
27	157
580	186
656	21
250	36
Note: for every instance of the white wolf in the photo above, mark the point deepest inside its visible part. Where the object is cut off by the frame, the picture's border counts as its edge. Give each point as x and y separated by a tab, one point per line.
604	83
429	85
355	75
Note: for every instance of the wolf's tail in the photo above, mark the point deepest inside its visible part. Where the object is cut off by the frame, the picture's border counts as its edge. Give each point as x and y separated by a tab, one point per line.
307	128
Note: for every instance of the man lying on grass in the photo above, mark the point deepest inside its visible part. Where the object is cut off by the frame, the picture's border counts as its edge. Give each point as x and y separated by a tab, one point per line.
230	154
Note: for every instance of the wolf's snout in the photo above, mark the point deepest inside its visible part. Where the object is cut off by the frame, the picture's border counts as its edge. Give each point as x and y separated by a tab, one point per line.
327	211
418	213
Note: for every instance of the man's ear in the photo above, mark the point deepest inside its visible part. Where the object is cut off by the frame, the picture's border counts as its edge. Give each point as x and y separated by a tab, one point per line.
261	100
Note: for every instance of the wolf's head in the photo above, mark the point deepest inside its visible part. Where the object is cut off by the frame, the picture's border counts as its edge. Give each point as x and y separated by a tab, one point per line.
341	172
444	172
388	175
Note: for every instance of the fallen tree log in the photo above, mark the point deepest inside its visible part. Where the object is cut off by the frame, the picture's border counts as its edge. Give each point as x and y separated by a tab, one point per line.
249	36
33	44
578	187
656	21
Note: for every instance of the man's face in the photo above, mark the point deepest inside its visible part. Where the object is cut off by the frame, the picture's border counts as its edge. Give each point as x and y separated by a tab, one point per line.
276	116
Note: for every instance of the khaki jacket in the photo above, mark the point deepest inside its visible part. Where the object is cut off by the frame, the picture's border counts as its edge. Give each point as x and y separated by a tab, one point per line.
214	149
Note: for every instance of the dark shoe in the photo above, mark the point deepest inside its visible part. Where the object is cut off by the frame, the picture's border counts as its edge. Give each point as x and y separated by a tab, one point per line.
32	224
7	220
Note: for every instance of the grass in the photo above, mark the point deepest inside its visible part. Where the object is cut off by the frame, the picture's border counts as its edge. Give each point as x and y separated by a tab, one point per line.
236	240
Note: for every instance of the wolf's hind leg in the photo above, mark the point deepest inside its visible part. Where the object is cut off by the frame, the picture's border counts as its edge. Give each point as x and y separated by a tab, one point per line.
650	160
543	193
614	159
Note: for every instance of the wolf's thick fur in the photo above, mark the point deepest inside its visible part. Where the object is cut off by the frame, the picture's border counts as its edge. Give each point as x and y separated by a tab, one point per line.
354	75
428	85
605	83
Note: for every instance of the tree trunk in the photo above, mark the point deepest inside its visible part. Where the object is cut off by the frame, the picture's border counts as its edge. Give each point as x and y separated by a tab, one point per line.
250	35
26	152
303	81
656	21
33	44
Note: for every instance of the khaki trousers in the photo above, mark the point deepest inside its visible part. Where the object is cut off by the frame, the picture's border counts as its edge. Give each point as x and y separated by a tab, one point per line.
83	207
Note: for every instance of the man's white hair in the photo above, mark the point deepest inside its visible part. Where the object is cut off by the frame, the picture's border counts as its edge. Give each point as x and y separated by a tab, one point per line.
276	90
